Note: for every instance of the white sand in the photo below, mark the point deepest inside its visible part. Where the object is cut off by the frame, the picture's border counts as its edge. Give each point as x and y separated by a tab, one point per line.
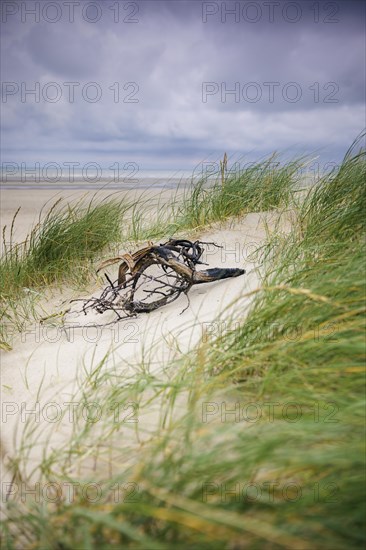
45	362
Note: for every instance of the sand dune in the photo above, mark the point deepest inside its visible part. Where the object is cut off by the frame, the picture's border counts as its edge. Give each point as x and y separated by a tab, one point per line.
47	362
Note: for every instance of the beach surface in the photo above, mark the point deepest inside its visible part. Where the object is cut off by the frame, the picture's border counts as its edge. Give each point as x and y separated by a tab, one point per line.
48	361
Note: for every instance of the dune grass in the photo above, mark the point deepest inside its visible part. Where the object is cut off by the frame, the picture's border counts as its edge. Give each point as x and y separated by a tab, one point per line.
267	452
265	185
59	248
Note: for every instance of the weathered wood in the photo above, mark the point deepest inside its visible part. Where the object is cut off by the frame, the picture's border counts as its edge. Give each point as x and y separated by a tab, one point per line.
177	259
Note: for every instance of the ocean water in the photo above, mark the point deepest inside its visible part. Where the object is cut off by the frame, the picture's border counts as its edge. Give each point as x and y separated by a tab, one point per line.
95	177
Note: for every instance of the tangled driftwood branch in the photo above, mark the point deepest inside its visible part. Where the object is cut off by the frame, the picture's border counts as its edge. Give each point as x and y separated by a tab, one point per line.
155	276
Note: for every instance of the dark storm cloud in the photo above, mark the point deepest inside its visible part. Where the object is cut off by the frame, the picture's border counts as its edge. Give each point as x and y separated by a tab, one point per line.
161	63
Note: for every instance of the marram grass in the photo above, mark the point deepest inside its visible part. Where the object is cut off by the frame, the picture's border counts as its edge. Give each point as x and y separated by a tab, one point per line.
59	249
220	476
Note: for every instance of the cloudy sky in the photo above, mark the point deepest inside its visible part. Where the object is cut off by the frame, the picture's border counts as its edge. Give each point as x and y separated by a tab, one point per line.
166	84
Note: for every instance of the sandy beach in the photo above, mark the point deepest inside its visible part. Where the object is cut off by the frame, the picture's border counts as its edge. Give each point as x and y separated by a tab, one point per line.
243	382
46	361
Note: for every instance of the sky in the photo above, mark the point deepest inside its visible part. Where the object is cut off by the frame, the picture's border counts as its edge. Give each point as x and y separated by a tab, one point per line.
167	84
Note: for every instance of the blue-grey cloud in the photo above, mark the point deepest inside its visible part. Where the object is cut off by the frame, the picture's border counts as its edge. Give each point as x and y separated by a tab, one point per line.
308	76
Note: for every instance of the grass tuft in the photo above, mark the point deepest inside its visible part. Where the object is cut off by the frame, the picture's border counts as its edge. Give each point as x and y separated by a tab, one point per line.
59	248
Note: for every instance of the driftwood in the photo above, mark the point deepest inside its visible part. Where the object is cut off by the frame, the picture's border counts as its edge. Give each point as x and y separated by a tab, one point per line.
155	276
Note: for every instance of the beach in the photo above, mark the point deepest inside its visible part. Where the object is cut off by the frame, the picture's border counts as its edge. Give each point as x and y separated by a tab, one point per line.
239	388
45	360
